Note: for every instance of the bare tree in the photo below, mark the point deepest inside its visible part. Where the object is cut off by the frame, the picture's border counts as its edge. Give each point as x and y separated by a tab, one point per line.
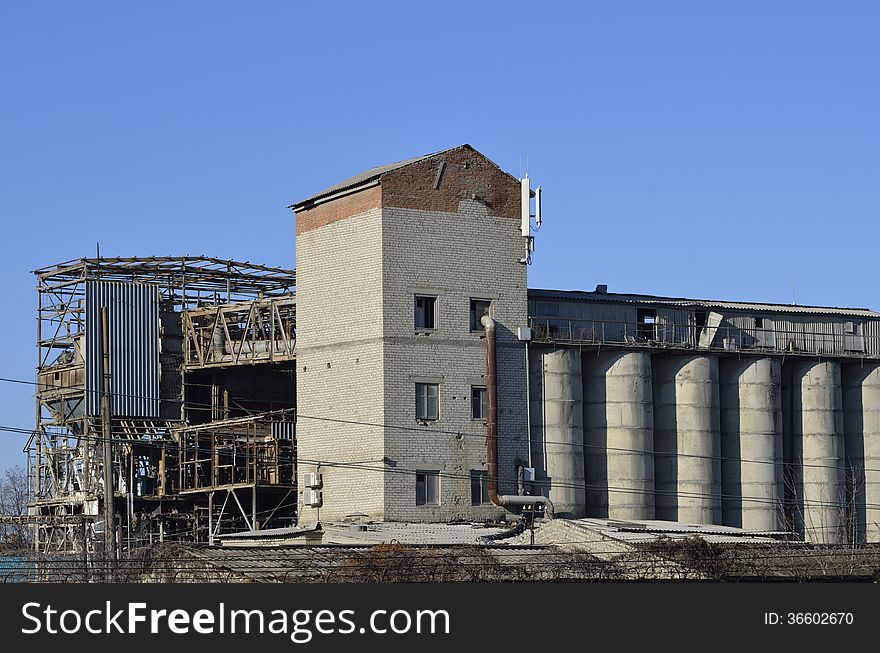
13	502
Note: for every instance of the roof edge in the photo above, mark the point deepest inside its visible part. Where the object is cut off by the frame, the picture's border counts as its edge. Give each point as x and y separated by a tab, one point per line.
371	177
746	305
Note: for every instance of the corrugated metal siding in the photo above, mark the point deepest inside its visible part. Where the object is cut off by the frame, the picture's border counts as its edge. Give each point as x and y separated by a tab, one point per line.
605	321
284	430
133	320
652	300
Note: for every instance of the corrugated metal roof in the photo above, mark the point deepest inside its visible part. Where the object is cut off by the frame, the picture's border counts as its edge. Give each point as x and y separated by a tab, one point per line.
269	533
592	296
367	176
410	533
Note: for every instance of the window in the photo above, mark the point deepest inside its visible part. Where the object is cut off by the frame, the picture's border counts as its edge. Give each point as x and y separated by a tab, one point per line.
427	395
479	487
759	322
427	488
700	320
853	338
647	318
479	308
479	402
425	312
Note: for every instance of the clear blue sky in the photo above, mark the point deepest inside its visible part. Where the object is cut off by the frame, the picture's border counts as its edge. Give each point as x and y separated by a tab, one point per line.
685	148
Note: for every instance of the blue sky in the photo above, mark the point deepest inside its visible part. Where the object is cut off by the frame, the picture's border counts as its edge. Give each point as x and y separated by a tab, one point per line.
685	148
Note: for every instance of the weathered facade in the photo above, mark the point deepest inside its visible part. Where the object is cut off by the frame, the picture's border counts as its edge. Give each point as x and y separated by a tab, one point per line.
638	407
364	387
444	228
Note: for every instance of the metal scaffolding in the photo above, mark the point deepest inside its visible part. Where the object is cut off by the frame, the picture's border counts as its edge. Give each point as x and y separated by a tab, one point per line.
170	318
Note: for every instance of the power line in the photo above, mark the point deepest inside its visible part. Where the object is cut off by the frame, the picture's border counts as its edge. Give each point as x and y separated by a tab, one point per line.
501	437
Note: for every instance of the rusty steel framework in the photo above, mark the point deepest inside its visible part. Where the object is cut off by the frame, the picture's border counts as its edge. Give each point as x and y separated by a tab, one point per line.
240	333
177	317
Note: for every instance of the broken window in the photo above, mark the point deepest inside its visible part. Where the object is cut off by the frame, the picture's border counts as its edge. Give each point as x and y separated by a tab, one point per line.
479	308
425	312
479	487
700	320
427	488
427	401
853	337
647	319
479	402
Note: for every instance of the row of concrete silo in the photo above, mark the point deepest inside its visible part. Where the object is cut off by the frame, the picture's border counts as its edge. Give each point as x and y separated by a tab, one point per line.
741	441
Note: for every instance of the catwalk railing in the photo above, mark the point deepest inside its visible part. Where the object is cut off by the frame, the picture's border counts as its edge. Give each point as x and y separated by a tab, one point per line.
838	340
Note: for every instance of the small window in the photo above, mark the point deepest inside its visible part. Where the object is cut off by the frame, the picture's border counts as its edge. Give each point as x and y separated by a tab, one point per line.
479	402
427	396
479	487
479	308
425	312
759	322
427	488
700	320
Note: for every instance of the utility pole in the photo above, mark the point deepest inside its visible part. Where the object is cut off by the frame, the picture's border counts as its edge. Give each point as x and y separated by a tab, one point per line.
109	494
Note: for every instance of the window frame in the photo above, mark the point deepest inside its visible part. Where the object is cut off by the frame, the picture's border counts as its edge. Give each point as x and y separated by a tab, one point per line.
471	313
480	481
484	402
434	313
423	476
426	400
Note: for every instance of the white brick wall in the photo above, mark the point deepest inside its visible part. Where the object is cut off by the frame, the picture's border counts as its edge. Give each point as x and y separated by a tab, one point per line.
339	364
356	281
458	256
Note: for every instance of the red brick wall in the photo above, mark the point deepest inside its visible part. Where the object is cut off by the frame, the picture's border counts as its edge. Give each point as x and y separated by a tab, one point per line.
467	173
338	209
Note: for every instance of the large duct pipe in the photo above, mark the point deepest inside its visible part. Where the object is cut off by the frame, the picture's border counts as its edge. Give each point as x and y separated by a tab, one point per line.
492	432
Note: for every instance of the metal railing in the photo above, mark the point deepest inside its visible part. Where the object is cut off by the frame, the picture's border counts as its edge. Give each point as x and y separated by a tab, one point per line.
724	338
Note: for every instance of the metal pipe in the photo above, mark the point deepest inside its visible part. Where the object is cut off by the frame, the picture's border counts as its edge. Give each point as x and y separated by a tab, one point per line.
492	432
109	494
528	407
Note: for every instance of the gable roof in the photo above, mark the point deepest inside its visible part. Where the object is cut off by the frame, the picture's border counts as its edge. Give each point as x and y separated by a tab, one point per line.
368	177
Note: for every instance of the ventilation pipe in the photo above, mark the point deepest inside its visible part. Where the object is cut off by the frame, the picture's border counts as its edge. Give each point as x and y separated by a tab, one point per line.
492	432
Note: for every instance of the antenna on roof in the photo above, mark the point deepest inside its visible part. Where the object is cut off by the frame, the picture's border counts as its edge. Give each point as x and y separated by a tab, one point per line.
97	250
526	216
